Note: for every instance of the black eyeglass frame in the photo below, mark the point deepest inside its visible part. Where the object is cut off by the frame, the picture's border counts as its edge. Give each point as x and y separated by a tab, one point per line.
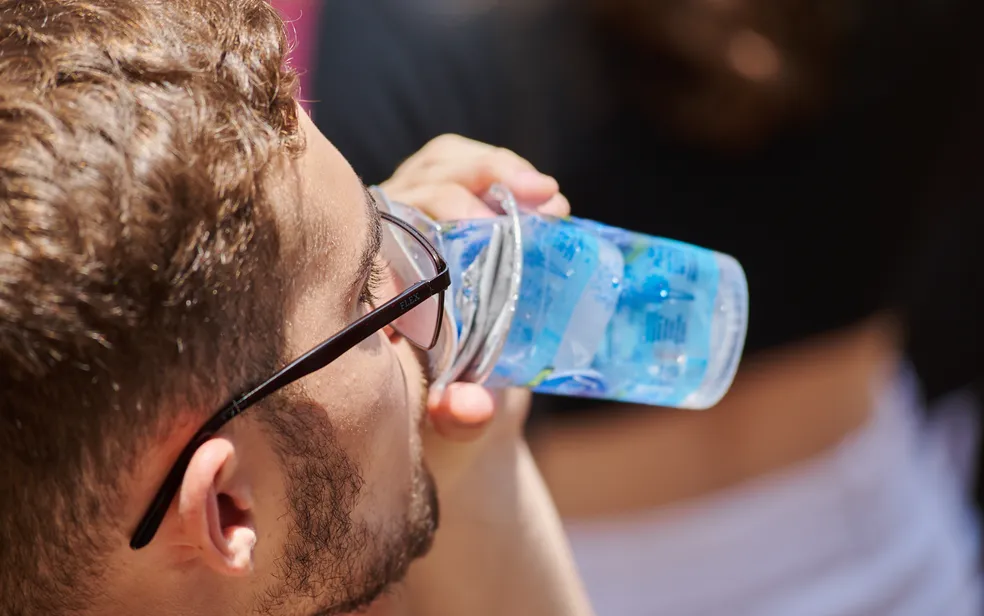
312	361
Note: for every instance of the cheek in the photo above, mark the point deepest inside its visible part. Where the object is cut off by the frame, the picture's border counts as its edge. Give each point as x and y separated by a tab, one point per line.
372	398
384	441
370	412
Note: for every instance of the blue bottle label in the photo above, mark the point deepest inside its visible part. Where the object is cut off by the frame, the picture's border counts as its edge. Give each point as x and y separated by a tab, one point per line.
657	344
559	264
603	312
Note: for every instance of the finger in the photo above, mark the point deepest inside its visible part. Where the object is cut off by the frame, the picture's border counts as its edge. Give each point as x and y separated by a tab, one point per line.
455	145
462	412
445	201
445	157
476	166
496	165
555	206
531	186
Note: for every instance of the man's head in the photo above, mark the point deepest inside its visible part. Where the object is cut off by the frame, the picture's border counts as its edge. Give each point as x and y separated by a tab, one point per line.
174	231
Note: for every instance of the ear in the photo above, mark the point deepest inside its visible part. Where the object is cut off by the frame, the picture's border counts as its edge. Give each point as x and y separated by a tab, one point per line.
215	510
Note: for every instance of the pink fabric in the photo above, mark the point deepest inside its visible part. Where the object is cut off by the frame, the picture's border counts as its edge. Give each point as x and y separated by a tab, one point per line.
302	23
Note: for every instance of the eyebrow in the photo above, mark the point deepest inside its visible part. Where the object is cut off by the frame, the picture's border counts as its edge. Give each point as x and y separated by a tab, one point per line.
374	239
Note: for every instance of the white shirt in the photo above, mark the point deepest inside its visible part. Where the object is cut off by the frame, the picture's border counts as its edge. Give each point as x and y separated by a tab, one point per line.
879	526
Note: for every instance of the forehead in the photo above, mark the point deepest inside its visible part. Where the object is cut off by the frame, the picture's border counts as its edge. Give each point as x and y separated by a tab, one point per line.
322	212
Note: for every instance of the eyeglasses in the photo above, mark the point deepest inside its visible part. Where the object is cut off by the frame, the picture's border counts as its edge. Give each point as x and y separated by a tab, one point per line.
411	300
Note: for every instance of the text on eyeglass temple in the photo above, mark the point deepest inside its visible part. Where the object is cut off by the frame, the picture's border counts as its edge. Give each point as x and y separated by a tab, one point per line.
410	302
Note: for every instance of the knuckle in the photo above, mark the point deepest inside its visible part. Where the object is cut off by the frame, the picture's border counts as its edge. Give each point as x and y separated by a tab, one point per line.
487	166
501	157
507	157
446	141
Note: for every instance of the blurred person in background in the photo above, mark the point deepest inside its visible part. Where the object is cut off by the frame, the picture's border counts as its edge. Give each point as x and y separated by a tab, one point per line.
828	146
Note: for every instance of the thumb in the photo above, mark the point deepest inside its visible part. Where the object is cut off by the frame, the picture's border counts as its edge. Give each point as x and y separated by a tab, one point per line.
462	411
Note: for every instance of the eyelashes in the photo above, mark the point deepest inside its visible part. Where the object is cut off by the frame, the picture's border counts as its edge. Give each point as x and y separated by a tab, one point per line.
374	282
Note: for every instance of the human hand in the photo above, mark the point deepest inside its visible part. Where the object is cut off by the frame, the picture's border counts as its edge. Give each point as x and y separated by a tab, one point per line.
447	179
501	548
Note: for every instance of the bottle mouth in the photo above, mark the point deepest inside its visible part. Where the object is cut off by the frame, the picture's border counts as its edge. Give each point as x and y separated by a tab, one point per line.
505	276
481	303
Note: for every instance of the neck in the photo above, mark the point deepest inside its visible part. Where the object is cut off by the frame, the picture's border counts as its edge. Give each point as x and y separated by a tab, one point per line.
168	588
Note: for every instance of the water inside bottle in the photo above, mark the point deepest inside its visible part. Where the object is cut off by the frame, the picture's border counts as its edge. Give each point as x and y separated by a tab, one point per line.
608	313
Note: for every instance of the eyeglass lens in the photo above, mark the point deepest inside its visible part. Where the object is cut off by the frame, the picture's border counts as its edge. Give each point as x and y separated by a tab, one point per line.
406	263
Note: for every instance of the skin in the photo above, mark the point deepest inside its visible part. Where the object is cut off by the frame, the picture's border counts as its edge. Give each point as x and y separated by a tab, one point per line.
246	533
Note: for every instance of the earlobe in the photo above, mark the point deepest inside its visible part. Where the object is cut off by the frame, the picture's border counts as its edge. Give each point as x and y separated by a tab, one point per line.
215	509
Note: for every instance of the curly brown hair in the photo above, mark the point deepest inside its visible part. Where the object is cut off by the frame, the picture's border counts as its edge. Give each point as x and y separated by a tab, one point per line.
139	268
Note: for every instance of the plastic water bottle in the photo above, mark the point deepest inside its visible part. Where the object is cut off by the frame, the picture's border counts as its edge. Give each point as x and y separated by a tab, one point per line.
608	313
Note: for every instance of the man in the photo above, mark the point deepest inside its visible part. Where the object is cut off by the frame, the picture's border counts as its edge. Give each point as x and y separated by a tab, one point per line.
176	234
779	133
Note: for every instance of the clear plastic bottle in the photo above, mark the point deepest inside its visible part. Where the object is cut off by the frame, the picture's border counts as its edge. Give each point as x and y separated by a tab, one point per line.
607	313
